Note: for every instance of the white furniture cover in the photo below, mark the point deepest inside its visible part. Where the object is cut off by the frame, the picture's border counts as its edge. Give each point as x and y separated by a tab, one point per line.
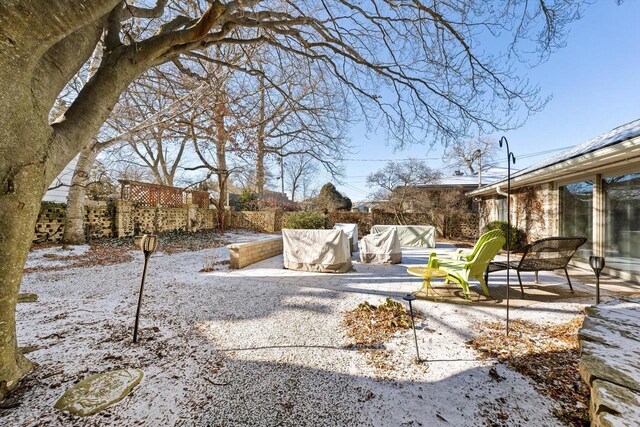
325	251
351	230
381	248
423	236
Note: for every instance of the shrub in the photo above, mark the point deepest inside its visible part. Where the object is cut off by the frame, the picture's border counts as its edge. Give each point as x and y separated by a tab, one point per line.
517	237
330	199
306	220
248	201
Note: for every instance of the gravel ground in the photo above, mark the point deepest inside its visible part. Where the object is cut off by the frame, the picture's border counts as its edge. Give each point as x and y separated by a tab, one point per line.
263	346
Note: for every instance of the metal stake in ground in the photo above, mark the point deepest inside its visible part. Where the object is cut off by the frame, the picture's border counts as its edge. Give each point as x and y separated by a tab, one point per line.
148	244
409	297
510	157
597	264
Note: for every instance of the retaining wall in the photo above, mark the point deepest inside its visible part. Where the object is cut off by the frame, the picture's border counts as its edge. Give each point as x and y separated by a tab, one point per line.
244	254
610	351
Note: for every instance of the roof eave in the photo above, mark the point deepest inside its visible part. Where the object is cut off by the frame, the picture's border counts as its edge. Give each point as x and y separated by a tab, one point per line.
602	158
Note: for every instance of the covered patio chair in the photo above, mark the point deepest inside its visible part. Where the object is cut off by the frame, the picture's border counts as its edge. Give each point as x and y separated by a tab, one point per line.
381	248
466	255
461	272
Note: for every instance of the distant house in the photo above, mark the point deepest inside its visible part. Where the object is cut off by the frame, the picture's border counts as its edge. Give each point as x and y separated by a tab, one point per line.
591	190
269	197
59	188
366	207
430	194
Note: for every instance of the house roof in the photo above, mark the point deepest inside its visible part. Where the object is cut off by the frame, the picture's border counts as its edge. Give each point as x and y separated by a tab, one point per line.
618	143
467	180
614	136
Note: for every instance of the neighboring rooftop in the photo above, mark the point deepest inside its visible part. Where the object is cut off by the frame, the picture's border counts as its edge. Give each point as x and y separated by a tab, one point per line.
461	179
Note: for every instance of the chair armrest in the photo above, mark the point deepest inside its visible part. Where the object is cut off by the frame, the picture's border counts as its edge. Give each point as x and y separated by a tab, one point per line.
459	254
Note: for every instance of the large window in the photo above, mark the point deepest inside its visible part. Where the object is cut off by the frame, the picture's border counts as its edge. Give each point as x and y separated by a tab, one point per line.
501	208
576	218
622	222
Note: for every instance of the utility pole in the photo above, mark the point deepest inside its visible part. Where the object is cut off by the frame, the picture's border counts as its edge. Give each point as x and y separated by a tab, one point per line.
479	157
282	173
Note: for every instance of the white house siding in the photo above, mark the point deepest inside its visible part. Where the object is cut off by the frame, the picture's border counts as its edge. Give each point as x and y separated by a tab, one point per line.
59	194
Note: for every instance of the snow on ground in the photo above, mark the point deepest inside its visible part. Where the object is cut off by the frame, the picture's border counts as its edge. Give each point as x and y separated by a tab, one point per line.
54	256
263	346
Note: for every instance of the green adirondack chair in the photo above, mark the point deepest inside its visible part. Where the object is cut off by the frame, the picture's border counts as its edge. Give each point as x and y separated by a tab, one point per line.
465	255
462	272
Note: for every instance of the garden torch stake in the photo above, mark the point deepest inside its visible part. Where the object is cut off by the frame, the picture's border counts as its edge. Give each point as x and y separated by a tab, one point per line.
510	157
148	244
597	264
410	298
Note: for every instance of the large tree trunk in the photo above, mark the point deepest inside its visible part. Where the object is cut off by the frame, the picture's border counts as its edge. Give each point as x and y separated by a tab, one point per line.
221	160
43	45
31	156
74	213
19	207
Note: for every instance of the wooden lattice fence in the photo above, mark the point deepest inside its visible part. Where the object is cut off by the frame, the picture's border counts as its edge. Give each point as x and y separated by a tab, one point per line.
200	198
145	194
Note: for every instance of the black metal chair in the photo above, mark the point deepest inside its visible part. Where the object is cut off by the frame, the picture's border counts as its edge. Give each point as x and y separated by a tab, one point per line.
551	253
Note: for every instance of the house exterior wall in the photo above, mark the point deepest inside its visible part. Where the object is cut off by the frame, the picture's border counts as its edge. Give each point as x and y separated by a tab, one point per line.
59	188
537	210
534	209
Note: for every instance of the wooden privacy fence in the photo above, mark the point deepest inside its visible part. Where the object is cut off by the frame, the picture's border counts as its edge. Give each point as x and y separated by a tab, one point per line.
146	194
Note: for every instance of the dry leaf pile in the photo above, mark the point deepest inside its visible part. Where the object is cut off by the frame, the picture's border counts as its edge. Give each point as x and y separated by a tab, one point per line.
549	355
100	253
370	326
116	251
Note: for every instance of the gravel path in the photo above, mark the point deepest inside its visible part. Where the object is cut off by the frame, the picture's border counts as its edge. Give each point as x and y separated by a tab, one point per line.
262	346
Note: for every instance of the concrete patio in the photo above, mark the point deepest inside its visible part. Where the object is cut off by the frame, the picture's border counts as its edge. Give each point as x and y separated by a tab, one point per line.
267	346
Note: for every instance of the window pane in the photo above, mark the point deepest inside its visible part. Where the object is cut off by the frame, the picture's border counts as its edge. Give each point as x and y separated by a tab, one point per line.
622	222
576	203
502	208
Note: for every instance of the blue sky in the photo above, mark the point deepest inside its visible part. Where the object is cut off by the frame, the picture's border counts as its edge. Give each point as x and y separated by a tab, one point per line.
594	81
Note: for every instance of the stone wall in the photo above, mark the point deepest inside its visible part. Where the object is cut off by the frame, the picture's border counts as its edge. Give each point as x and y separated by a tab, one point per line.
244	254
610	350
50	225
534	209
123	219
98	220
131	220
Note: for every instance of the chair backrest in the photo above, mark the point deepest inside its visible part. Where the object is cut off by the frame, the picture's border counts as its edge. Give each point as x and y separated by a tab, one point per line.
550	253
482	239
486	252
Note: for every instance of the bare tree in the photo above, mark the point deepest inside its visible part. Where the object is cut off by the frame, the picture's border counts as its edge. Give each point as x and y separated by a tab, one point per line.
131	121
300	111
397	185
160	145
298	171
473	155
441	84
